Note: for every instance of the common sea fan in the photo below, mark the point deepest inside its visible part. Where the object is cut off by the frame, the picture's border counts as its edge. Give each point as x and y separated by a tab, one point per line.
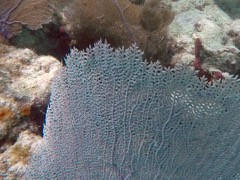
112	116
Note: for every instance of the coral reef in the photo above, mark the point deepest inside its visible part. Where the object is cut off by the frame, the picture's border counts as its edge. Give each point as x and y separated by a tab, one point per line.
15	157
121	23
25	80
214	28
202	34
49	40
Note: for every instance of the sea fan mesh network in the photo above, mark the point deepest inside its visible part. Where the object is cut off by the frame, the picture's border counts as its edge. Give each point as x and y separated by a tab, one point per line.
112	116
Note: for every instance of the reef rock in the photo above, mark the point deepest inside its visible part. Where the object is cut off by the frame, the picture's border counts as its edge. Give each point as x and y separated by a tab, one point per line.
217	29
25	81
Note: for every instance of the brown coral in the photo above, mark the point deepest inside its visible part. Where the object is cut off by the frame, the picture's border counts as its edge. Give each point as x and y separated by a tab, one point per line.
121	23
155	16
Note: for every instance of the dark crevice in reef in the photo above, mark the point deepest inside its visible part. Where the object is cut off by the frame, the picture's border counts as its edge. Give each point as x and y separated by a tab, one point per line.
38	113
49	40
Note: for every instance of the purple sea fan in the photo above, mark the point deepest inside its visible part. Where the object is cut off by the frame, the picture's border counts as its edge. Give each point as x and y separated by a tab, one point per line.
14	14
5	22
